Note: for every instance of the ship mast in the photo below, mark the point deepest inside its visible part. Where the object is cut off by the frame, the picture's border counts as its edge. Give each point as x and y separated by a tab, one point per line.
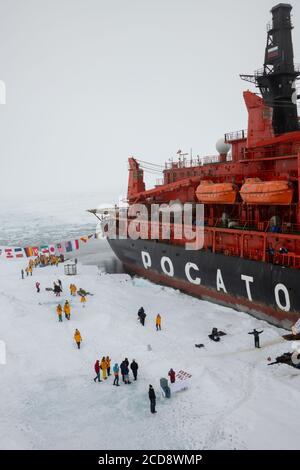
277	79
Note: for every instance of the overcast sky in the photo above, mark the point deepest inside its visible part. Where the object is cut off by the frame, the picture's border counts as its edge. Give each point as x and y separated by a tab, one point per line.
90	82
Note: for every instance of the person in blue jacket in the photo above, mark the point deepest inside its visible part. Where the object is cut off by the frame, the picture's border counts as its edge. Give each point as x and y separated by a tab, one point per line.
116	370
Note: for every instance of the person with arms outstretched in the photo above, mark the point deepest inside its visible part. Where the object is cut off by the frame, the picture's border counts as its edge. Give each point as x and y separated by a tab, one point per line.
256	337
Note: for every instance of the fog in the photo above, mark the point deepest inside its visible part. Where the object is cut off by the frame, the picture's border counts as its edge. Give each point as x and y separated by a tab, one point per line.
90	82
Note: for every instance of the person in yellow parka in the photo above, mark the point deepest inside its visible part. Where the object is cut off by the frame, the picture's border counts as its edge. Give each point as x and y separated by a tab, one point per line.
158	322
59	312
83	300
30	270
108	361
103	367
77	337
67	310
73	289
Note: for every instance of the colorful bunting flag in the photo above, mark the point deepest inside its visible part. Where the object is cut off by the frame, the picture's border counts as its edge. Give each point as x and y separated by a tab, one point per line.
9	253
60	248
19	252
52	249
35	250
30	251
75	244
68	246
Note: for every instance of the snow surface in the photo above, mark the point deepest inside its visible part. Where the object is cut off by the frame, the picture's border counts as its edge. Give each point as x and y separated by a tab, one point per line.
48	399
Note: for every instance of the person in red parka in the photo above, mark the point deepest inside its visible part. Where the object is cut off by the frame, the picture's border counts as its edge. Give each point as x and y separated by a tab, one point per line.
171	374
97	370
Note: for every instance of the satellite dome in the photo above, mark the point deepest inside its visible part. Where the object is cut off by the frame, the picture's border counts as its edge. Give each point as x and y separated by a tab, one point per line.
222	146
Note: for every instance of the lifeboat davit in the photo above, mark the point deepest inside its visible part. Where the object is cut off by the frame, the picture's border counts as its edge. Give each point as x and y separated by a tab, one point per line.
216	193
256	191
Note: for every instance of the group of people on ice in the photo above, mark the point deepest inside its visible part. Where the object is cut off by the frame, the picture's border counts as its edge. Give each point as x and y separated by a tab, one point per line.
122	369
29	268
104	366
41	261
66	309
142	317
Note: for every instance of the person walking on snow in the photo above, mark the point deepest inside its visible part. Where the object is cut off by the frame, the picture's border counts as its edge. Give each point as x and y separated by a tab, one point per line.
22	273
152	398
103	368
77	337
116	375
37	285
67	310
256	337
141	311
59	312
30	270
134	367
97	370
158	322
142	316
172	375
108	361
83	300
60	284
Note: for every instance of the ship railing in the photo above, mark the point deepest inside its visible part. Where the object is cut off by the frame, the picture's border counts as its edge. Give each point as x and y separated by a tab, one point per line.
287	23
290	228
238	224
283	151
190	163
265	71
263	226
237	135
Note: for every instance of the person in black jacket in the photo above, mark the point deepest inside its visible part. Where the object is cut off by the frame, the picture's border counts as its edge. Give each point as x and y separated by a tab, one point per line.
152	398
142	316
134	367
141	311
123	370
256	337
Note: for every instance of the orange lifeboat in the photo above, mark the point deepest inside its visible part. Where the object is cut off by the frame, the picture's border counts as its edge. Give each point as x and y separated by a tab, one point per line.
255	191
216	193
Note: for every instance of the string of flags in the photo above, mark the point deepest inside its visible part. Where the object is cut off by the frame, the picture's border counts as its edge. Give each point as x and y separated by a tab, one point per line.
15	252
